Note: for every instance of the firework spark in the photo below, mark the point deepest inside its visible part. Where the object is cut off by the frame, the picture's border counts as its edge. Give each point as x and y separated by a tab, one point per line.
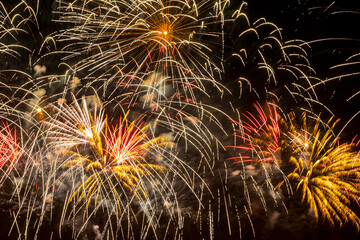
116	155
166	67
10	148
326	174
261	135
133	39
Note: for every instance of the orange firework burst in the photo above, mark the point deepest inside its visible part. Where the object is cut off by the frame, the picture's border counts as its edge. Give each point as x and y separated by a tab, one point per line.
128	39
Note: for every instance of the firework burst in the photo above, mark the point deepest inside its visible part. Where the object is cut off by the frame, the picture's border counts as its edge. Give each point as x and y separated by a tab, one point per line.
133	39
326	174
261	135
116	156
169	68
10	148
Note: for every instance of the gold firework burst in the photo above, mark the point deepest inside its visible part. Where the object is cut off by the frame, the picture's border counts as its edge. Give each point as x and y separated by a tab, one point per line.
326	174
111	158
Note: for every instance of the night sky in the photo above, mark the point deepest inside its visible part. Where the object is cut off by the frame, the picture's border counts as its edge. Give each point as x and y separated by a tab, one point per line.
330	31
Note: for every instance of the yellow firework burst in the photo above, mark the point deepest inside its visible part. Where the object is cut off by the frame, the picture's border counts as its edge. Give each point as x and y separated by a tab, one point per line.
112	158
326	174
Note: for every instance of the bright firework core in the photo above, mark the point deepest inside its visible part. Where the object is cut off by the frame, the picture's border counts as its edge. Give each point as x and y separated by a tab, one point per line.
164	31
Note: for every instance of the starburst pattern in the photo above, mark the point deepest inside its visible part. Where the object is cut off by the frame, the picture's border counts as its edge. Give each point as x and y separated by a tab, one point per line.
117	154
131	38
326	174
260	134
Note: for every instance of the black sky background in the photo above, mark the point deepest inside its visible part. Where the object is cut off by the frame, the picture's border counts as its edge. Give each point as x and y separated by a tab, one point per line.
336	25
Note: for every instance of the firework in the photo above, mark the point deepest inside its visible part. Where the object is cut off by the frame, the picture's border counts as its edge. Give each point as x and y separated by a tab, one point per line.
169	68
259	146
117	152
325	173
78	127
10	149
23	86
133	39
261	135
270	67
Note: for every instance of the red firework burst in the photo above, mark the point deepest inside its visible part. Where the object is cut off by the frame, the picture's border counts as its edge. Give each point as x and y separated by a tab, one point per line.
260	134
129	142
10	149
